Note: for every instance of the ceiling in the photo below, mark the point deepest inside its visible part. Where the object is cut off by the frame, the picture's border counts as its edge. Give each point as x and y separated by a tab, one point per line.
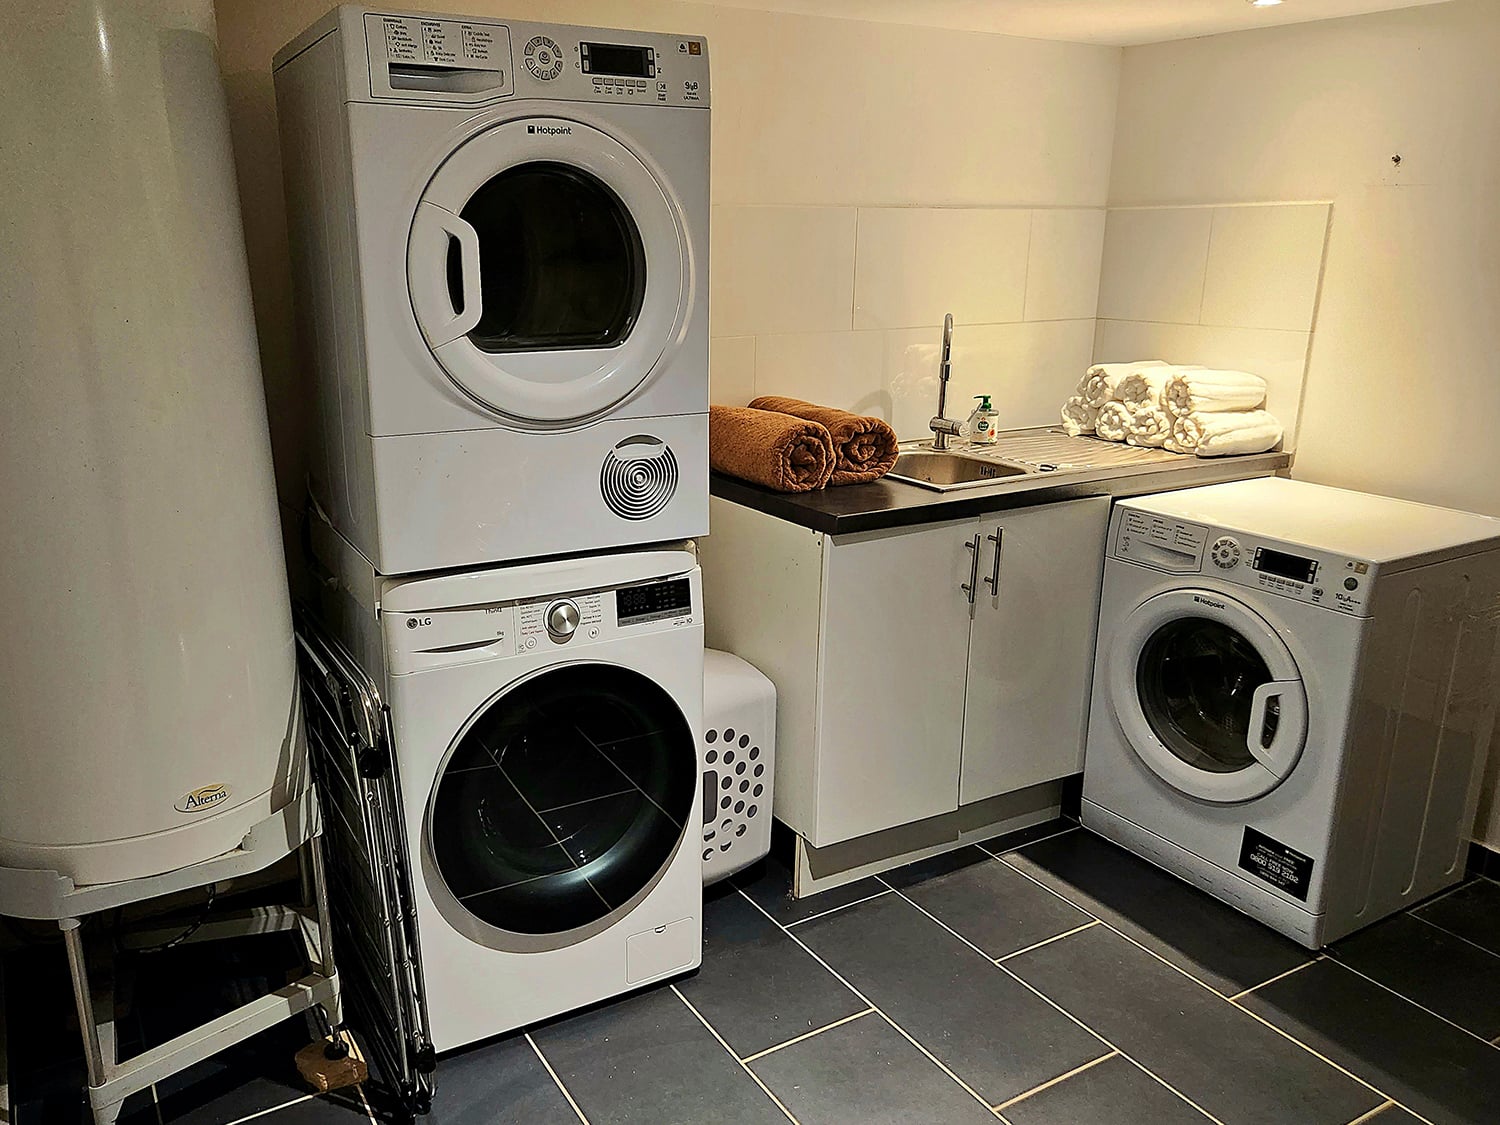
1117	22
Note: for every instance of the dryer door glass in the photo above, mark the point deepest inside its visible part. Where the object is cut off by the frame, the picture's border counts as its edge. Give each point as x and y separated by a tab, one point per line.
564	800
1197	680
561	263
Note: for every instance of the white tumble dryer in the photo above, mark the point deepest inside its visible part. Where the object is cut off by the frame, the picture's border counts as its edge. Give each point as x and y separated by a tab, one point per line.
500	244
1293	695
545	722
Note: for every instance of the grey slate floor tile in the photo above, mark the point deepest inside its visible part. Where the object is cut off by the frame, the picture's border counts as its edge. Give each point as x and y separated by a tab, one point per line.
995	907
1431	967
865	1073
647	1058
769	883
1220	946
1110	1093
1437	1070
1472	912
757	986
498	1083
979	1021
1236	1068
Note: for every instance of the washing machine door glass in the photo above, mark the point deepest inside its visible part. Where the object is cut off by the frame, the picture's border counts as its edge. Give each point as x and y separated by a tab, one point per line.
1208	695
564	800
549	270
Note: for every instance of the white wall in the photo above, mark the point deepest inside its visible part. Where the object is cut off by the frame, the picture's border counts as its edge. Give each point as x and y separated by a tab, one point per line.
1403	381
949	161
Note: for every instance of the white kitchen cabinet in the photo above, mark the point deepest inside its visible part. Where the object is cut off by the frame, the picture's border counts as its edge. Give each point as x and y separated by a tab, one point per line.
901	694
1031	646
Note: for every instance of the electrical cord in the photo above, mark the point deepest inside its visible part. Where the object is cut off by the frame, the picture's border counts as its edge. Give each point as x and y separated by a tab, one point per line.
208	905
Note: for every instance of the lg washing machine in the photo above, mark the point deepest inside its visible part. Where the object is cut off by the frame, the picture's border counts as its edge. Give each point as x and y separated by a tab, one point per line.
546	724
499	235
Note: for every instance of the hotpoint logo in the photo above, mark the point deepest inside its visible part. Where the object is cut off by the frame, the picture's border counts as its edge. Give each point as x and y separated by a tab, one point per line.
1209	602
551	130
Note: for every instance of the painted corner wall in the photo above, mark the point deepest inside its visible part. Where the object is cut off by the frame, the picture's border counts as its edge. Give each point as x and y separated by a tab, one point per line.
1403	376
865	177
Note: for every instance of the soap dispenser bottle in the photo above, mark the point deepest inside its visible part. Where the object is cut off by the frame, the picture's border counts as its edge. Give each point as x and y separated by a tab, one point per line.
981	423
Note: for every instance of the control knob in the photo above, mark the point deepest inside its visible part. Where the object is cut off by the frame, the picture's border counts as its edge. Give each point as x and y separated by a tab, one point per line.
1225	552
562	620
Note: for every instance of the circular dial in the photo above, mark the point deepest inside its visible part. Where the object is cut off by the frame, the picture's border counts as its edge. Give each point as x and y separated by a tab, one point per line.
562	620
543	58
1225	552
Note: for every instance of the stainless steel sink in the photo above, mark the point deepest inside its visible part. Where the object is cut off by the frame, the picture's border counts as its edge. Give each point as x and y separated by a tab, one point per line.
945	472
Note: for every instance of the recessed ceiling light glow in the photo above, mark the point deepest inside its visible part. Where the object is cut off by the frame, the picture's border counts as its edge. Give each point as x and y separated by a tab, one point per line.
1264	3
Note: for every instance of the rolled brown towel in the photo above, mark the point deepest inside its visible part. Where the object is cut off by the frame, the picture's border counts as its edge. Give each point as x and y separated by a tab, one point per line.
764	447
865	447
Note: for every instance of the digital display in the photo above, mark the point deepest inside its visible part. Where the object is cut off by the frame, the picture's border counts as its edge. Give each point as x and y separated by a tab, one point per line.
654	602
1283	565
613	58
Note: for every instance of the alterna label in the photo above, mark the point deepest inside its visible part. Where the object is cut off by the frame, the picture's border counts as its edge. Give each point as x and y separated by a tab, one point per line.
204	798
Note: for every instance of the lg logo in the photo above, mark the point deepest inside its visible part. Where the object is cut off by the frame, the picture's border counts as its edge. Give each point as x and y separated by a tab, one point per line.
418	622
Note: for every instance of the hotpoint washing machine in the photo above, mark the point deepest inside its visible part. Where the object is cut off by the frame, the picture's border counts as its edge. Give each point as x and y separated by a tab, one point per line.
545	720
499	234
1293	695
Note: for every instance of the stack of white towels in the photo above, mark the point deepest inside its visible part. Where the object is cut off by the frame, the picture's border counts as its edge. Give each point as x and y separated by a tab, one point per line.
1186	409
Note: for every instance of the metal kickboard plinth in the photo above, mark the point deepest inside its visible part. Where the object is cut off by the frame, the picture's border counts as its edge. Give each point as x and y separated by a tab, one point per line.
350	741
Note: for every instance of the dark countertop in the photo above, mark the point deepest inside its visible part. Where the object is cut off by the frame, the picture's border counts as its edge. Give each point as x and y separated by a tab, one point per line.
891	503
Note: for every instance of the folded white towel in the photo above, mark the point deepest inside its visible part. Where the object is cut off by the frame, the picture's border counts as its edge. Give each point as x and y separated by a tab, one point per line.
1149	426
1102	382
1113	422
1078	417
1207	389
1223	433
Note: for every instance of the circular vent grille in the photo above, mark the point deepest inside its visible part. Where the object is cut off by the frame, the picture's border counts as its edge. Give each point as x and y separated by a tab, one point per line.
737	772
638	478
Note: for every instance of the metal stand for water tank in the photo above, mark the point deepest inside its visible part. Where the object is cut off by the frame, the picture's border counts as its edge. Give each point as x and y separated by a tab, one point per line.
51	896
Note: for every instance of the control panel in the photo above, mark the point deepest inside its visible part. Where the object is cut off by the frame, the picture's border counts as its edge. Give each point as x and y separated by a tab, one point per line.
1179	547
462	61
535	626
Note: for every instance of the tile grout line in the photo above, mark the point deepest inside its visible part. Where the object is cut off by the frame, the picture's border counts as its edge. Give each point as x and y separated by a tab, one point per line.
1279	976
1402	996
1090	924
1374	1113
737	1061
1069	1015
1215	992
1113	1053
1028	843
876	1007
557	1079
805	1036
369	1109
833	909
272	1109
1450	933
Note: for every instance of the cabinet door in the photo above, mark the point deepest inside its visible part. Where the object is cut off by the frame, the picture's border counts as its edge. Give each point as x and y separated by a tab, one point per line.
894	647
1031	649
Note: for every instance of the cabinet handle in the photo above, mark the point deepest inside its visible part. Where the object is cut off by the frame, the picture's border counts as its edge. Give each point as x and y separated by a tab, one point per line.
968	587
993	581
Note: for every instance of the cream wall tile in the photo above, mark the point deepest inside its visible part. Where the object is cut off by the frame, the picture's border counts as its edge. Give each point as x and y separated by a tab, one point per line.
1154	264
781	269
841	369
1027	369
915	264
731	370
1263	266
1062	266
1278	356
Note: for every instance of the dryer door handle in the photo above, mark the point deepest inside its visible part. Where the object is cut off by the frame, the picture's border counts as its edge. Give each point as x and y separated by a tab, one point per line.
1278	725
433	232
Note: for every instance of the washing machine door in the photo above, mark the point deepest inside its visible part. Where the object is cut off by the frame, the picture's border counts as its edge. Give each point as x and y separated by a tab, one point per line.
549	270
1208	696
561	804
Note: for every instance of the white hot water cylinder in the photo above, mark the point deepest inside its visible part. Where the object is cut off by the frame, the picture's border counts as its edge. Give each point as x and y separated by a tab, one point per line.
147	672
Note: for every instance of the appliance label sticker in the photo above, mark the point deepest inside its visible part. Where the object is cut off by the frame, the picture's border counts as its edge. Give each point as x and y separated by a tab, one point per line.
1284	868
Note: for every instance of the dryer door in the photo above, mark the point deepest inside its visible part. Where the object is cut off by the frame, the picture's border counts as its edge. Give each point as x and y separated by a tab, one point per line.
549	270
1208	696
561	805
